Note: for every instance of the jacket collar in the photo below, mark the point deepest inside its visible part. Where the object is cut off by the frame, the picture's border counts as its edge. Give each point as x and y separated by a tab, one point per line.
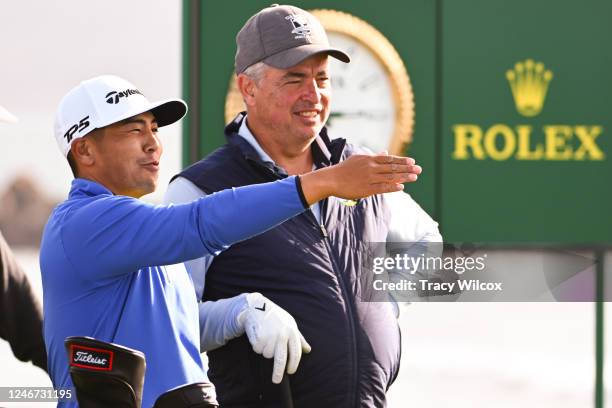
86	188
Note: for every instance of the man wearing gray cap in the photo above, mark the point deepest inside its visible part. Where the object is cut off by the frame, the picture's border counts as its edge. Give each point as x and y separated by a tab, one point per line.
20	310
309	264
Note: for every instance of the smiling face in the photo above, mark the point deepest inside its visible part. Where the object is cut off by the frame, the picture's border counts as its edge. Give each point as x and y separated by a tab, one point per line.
124	156
288	107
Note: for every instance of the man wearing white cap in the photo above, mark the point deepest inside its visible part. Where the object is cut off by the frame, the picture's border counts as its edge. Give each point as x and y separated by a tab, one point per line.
20	310
102	248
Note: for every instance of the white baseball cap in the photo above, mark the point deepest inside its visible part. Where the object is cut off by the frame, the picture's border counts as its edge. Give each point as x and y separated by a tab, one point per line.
6	116
104	100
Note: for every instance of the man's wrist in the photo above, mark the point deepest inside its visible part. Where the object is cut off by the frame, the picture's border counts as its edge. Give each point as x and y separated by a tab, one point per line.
298	184
328	178
318	184
242	306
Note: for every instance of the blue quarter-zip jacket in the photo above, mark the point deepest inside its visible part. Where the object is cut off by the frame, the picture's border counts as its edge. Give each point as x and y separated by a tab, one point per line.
100	261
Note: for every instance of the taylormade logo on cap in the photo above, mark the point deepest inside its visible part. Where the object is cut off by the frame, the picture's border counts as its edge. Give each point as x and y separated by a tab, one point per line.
282	36
102	101
115	97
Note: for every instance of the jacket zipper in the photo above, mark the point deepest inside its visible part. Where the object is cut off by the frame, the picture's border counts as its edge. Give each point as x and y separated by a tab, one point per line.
344	289
349	304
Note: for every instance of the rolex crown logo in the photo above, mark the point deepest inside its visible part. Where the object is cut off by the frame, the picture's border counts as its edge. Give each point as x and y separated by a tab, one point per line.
529	83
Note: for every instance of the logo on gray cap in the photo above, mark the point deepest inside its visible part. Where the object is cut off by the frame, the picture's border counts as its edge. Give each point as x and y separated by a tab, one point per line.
301	27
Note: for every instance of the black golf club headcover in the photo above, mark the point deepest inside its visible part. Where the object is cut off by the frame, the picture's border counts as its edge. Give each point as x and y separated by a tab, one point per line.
105	374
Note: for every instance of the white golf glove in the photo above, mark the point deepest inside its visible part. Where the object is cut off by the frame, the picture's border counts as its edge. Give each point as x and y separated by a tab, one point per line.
273	332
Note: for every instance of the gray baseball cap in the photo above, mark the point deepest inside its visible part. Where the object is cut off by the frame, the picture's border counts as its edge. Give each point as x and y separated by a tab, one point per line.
282	36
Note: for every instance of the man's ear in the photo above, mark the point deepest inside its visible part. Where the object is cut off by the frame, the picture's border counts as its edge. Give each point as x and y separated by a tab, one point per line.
83	151
247	87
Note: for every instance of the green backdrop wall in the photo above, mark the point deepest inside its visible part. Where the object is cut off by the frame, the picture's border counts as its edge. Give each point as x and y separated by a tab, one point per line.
527	168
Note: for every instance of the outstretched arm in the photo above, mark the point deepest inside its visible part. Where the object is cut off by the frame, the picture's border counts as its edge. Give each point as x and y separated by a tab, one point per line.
116	235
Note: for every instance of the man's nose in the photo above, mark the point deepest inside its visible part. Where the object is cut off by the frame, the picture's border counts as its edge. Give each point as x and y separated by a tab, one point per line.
152	143
312	92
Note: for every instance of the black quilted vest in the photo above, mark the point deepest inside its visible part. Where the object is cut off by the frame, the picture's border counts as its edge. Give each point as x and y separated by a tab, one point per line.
310	270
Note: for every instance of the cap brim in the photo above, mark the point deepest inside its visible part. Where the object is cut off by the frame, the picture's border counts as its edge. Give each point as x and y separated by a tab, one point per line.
293	56
166	112
6	116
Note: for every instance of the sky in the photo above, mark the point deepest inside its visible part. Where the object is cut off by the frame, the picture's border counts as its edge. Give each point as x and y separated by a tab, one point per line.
49	47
